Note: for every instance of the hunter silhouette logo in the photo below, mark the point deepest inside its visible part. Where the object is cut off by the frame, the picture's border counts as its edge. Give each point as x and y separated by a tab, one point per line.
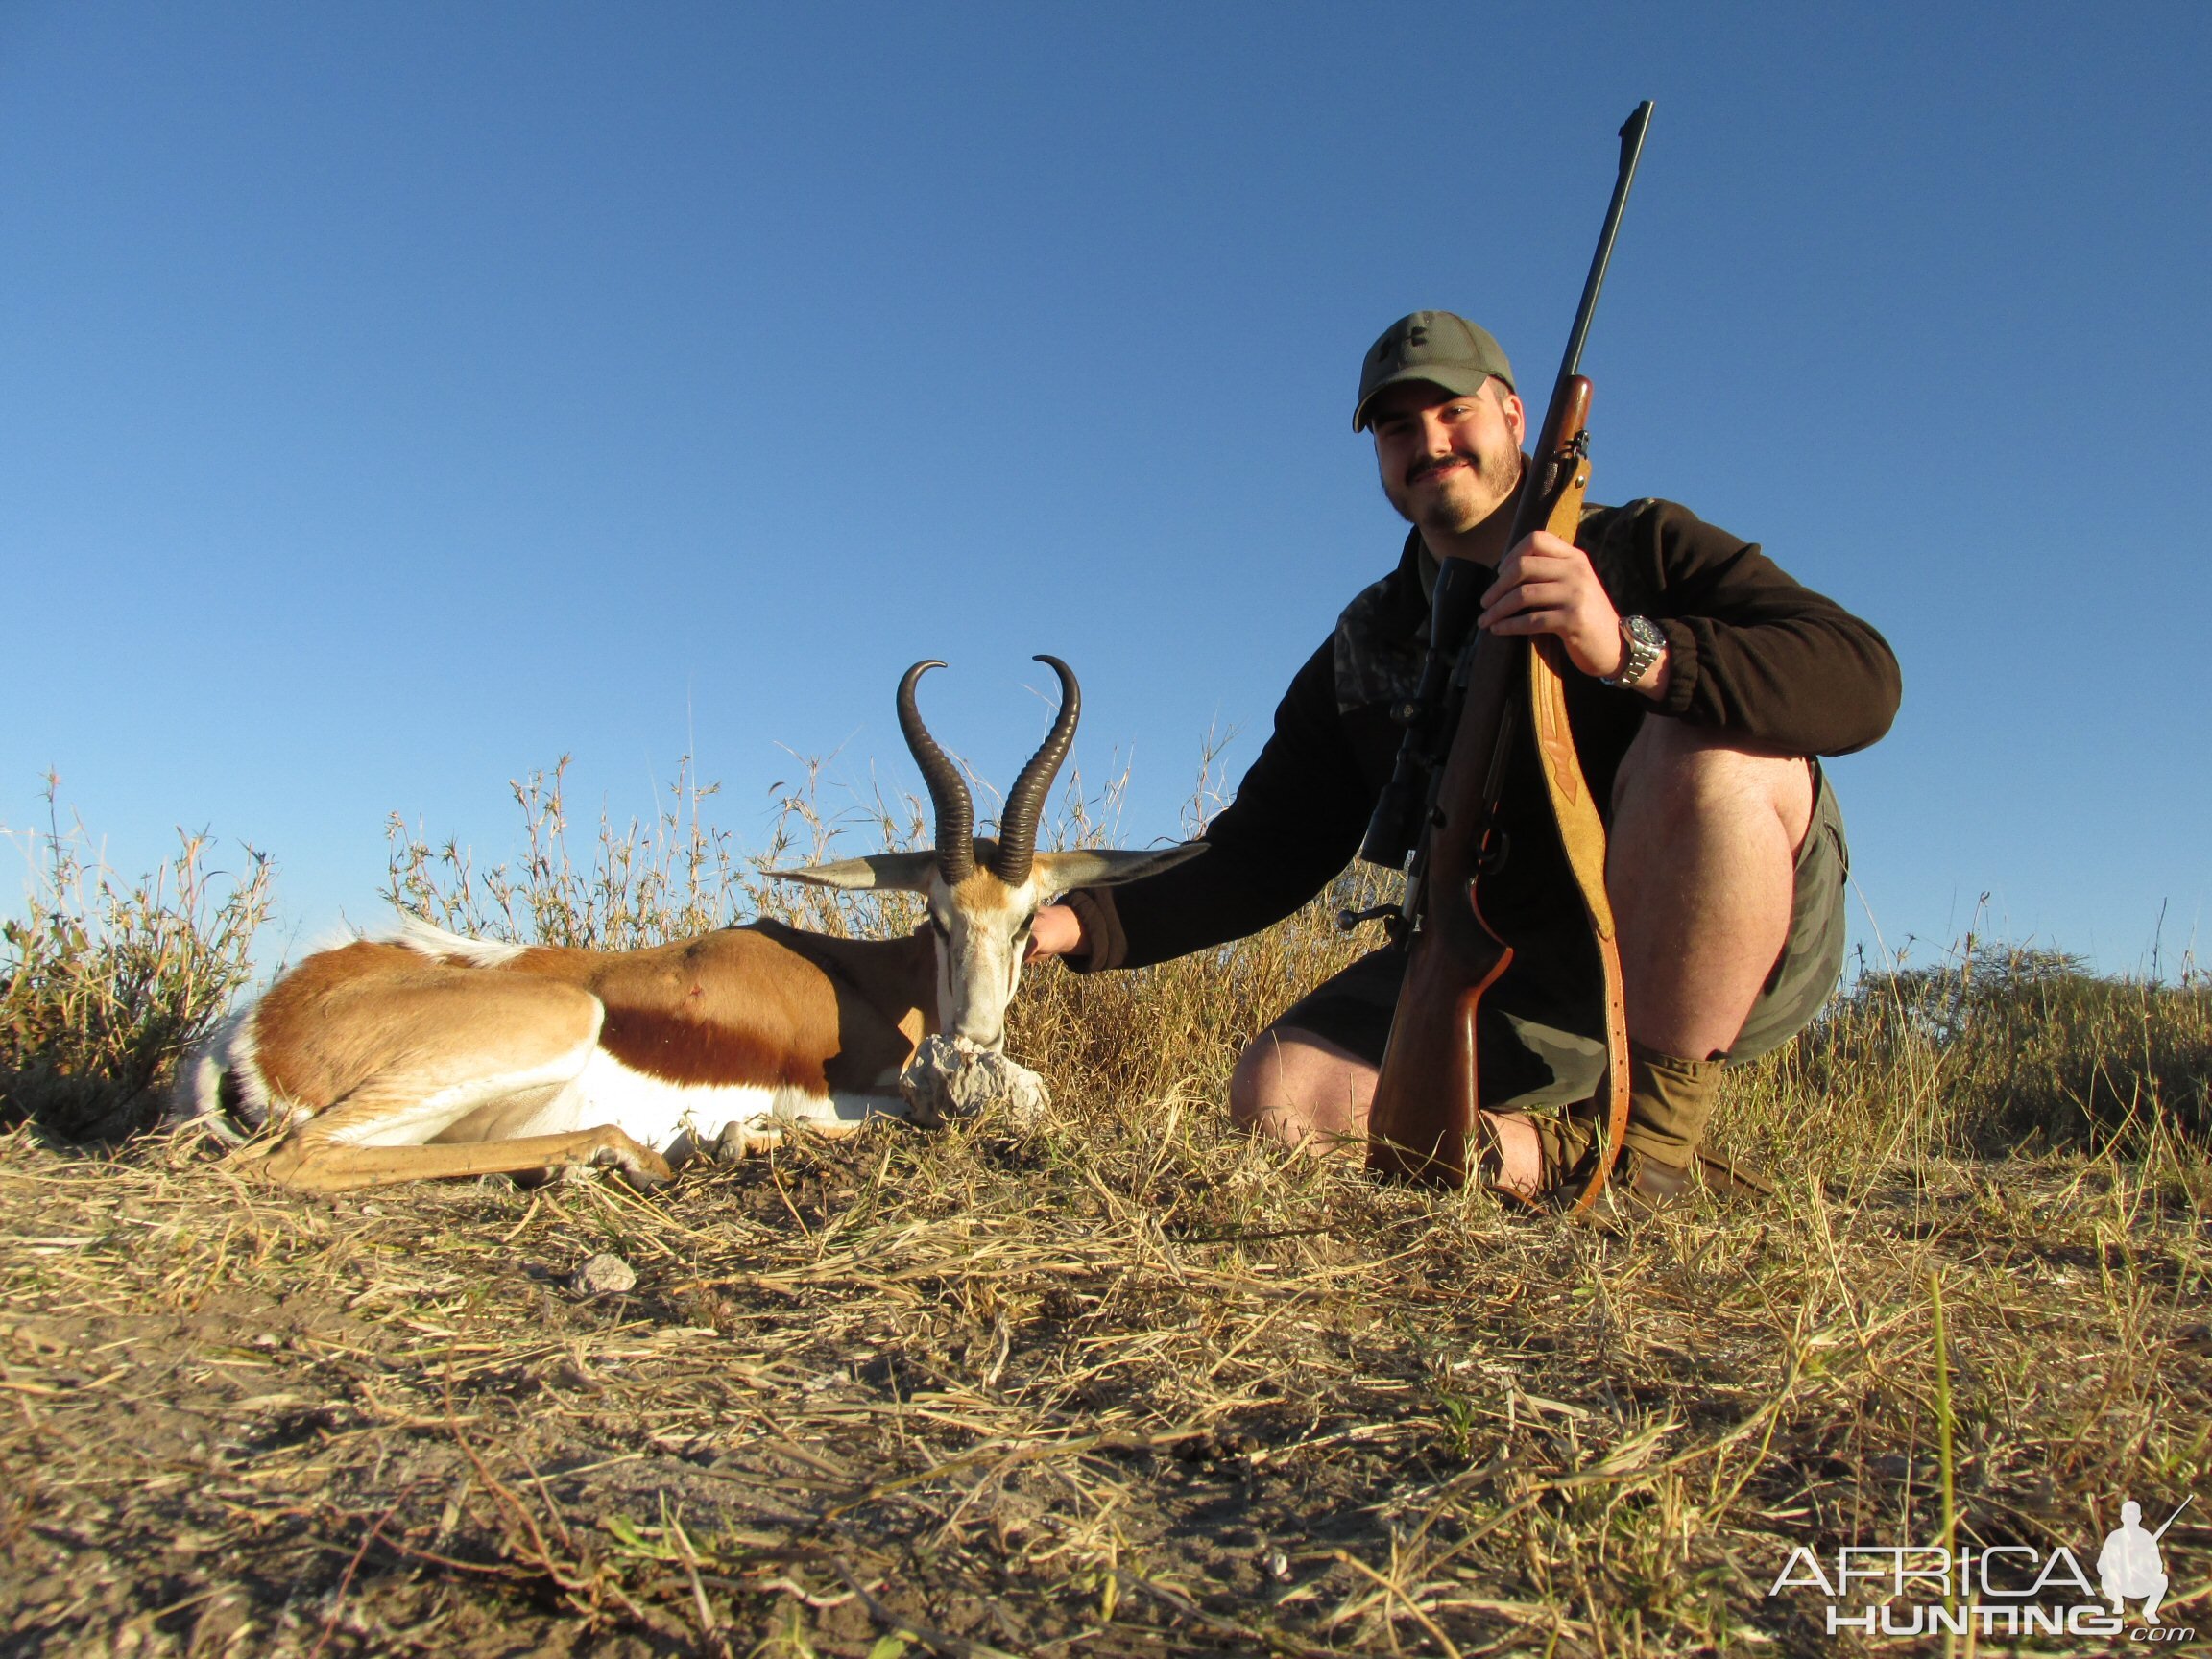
2015	1590
2130	1566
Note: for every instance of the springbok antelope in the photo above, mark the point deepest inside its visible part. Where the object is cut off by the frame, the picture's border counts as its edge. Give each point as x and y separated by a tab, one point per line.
430	1054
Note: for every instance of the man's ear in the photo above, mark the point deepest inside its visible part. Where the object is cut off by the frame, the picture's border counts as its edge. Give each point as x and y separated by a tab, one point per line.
1109	866
888	871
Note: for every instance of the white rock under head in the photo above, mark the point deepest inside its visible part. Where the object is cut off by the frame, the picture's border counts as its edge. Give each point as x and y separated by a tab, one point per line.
950	1078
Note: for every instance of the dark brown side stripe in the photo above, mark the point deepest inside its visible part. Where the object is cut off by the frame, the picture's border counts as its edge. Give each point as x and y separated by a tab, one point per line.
697	1052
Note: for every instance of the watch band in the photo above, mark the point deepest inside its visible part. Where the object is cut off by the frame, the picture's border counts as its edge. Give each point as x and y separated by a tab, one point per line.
1642	645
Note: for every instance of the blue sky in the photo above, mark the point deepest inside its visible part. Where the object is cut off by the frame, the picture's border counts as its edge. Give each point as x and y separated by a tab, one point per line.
398	397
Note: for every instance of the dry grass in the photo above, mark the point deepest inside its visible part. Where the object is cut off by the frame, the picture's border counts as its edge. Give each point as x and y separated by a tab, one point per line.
105	985
1122	1382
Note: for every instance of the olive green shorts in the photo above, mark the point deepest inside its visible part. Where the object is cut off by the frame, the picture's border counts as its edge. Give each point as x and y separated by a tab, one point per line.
1525	1063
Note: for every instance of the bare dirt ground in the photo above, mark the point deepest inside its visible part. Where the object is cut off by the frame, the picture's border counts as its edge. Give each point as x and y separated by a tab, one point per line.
1124	1385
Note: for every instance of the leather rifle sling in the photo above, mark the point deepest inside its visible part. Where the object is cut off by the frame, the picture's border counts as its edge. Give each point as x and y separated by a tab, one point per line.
1582	834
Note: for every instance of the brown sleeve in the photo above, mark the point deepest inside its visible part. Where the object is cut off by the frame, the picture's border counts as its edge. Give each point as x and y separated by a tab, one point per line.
1297	820
1752	650
1103	946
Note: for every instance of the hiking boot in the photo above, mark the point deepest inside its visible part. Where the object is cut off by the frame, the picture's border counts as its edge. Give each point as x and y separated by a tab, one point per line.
1643	1185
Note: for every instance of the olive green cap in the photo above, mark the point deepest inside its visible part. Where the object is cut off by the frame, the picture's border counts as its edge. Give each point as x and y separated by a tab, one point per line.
1437	346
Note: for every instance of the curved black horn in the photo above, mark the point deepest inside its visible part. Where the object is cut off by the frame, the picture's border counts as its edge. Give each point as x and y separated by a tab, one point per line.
1025	801
947	789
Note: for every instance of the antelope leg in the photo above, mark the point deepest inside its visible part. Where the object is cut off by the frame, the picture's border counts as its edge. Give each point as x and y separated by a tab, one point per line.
310	1163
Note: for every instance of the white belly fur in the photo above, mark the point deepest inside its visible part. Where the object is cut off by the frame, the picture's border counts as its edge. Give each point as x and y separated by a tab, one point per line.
675	1118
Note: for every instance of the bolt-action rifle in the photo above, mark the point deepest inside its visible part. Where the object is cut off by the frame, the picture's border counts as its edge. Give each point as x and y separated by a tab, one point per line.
1478	693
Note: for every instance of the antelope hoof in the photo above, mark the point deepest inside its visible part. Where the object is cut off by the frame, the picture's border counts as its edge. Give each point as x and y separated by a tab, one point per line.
743	1141
641	1165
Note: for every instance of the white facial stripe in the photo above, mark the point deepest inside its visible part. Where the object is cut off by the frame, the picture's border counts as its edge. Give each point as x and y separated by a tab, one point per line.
980	962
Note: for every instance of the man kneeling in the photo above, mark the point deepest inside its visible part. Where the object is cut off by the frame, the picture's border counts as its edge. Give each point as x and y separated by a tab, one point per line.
1706	683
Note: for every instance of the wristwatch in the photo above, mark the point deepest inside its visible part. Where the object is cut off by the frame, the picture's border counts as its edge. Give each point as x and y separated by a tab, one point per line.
1643	646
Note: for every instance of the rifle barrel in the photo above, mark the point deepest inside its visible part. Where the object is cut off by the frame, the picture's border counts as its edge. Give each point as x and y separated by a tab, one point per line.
1632	133
2176	1516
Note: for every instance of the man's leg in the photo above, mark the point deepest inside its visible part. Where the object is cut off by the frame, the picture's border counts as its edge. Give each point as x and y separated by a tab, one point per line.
1700	870
1310	1078
1701	866
1294	1085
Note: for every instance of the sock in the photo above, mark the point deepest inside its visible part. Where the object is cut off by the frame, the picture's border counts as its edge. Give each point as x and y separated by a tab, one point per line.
1670	1102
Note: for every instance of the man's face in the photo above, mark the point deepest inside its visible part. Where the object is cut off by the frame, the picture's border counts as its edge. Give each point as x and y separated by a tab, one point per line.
1448	461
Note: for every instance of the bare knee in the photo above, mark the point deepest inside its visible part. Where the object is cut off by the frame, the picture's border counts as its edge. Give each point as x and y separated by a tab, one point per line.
1290	1084
1256	1086
1675	774
1701	870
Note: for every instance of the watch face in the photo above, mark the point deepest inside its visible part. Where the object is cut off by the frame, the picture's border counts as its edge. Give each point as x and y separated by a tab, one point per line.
1645	643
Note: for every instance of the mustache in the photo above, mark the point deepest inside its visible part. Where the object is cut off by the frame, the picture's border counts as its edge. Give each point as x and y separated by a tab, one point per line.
1430	465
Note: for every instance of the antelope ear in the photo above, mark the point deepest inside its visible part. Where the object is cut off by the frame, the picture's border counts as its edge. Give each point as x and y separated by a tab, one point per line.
889	872
1108	866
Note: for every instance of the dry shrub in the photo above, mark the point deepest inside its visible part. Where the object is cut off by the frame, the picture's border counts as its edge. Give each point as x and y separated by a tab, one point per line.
1180	1025
104	986
647	882
107	985
2003	1048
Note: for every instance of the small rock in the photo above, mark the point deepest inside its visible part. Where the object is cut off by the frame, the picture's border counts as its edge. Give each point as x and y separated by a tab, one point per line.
603	1276
951	1078
1278	1566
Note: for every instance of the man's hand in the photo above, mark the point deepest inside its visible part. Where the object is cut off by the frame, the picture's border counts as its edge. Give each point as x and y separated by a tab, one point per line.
1053	931
1546	586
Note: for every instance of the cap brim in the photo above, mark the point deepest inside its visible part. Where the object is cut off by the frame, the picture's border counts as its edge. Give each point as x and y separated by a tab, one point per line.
1457	379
